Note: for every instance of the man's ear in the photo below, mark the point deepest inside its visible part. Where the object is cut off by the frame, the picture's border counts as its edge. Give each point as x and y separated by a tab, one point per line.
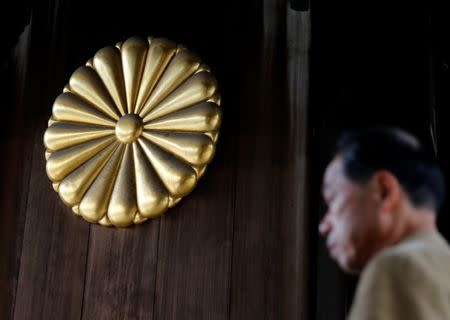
388	190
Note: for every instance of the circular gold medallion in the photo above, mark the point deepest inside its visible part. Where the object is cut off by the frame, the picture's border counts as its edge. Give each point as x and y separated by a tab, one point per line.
133	131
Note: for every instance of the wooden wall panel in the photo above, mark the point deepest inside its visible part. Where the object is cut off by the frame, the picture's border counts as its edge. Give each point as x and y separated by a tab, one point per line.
270	233
236	247
53	260
195	248
189	249
297	223
54	247
194	255
15	164
120	272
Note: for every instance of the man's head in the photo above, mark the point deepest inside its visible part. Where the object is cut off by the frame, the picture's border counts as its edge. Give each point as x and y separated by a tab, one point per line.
379	188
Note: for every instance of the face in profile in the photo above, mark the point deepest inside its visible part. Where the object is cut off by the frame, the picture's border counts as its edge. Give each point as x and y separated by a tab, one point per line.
350	224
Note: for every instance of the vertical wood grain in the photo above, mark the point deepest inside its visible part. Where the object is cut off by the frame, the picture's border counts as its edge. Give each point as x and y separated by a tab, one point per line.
53	260
269	249
195	246
297	230
53	256
15	166
120	273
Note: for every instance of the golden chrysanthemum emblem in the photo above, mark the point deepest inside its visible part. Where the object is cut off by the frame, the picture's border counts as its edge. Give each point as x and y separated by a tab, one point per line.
133	131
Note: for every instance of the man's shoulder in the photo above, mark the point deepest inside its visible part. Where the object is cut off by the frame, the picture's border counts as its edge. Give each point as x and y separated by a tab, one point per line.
407	281
422	255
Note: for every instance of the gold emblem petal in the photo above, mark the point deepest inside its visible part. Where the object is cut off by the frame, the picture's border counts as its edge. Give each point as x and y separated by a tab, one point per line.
198	88
202	117
200	171
62	162
73	187
51	121
122	205
158	57
105	222
174	201
152	196
214	135
90	63
182	66
55	186
138	218
133	131
62	135
108	64
95	202
178	177
216	98
133	52
86	83
69	107
76	210
194	148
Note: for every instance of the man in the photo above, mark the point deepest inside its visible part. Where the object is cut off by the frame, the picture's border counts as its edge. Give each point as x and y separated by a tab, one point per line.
383	194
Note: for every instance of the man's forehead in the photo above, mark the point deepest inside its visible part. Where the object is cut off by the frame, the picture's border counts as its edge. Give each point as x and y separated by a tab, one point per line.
332	174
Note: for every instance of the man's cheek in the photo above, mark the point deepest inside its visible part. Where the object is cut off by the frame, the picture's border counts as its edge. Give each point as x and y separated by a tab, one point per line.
345	228
341	236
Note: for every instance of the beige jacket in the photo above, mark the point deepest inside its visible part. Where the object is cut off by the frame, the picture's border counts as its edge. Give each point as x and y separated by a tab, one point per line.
408	281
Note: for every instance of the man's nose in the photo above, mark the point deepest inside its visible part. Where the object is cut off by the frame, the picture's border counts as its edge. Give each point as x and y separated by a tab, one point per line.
325	225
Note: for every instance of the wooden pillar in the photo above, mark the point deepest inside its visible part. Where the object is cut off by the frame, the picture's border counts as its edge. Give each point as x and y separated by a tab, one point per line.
271	221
